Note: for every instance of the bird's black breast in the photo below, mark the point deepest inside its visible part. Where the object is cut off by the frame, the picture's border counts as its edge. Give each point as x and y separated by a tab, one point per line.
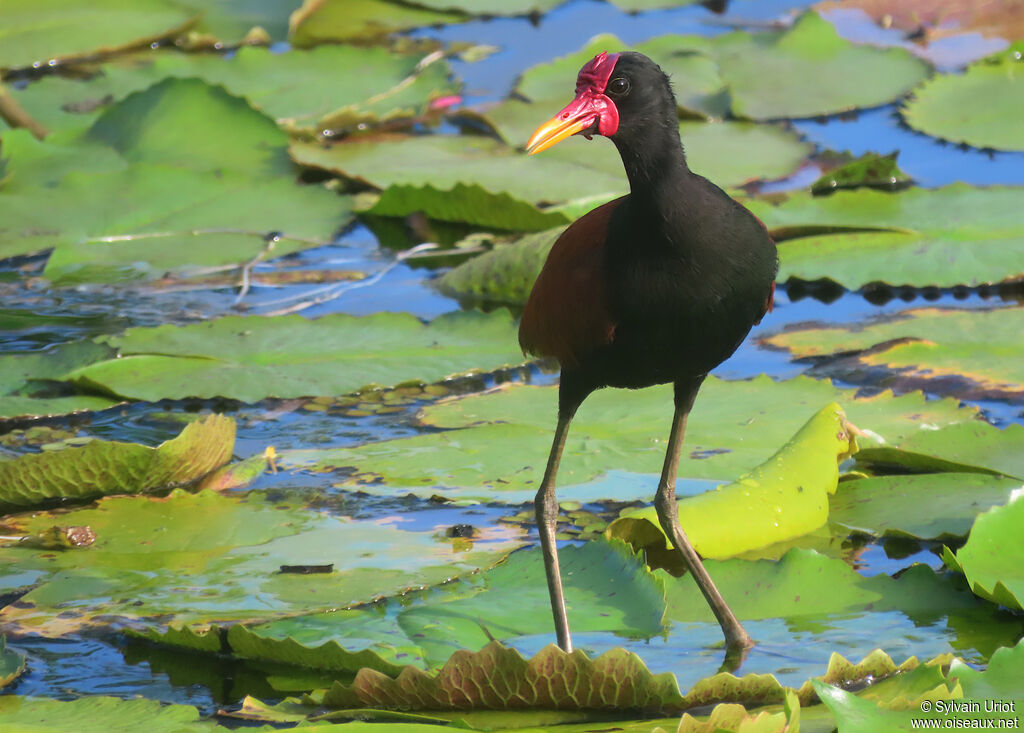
684	291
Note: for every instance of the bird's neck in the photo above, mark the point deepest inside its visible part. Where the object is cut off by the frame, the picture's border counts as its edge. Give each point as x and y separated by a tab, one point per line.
656	167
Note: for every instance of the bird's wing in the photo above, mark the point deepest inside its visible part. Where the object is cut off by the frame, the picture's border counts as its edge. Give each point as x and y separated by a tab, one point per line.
567	312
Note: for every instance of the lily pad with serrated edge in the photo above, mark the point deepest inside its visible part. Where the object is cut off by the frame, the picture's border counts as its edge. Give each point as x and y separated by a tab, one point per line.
250	358
209	558
180	196
980	107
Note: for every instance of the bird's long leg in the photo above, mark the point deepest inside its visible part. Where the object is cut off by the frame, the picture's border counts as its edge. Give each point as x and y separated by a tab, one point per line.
547	514
736	638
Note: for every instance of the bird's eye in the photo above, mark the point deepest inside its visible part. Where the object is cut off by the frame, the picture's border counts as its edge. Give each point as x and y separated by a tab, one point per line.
618	85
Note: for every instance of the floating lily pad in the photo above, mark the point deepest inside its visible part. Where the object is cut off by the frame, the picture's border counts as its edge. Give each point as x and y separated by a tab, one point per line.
504	437
210	558
607	589
465	204
891	505
327	88
97	714
106	467
809	70
871	170
333	355
34	35
930	242
446	160
491	7
330	21
973	446
806	584
924	348
979	107
185	196
23	389
993	559
230	20
12	664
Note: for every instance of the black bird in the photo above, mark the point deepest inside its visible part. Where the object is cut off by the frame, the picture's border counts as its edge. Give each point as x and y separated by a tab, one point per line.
661	285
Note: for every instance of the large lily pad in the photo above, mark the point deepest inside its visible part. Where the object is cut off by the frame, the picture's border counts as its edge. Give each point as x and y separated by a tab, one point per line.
891	505
993	559
446	160
331	87
106	467
979	107
931	242
810	70
12	664
249	358
97	714
33	34
206	557
607	589
1000	18
22	386
972	446
504	437
185	195
924	347
806	584
329	21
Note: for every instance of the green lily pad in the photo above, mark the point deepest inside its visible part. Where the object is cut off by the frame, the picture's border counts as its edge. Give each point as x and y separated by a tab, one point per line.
607	588
891	505
250	358
809	70
505	274
97	714
498	678
973	446
35	35
330	21
807	585
503	437
491	7
1001	679
465	204
979	107
992	557
871	170
12	664
930	242
207	558
22	386
183	196
230	20
783	498
923	348
303	90
447	160
733	718
107	467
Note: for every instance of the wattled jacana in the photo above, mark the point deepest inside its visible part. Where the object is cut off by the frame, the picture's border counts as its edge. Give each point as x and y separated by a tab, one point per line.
661	285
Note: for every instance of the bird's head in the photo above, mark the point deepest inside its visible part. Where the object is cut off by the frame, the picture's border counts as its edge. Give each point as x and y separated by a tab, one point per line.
616	93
